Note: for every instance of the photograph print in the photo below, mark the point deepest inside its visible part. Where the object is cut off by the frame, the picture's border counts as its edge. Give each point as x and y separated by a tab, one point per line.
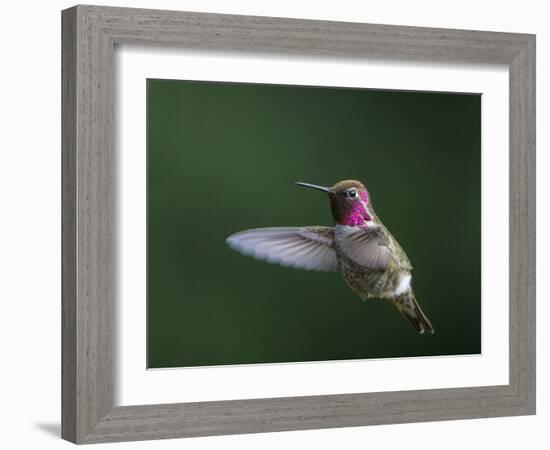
294	223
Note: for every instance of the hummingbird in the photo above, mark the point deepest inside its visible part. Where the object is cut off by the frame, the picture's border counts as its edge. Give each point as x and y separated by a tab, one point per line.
358	246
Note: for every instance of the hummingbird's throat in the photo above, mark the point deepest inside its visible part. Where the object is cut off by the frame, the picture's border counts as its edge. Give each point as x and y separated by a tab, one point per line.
357	217
358	214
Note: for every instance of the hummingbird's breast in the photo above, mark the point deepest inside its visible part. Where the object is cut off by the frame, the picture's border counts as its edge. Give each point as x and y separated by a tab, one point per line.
365	281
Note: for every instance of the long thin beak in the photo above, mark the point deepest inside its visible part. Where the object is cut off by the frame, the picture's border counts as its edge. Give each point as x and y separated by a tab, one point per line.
314	186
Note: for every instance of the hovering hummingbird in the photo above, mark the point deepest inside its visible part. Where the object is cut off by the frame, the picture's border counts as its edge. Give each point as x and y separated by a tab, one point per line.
359	246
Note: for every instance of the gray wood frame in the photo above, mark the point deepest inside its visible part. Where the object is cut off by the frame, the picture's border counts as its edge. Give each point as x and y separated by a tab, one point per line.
89	36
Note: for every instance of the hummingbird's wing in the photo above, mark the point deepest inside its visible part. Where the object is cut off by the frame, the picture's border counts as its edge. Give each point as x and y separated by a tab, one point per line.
309	248
367	246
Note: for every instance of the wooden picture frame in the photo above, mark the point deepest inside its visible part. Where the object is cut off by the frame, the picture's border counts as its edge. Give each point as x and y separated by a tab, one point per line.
90	34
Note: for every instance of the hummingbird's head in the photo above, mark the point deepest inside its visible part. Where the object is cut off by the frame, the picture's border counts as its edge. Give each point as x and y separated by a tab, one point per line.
349	201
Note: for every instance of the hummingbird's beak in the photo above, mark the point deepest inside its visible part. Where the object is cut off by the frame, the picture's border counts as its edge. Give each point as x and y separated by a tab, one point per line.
314	186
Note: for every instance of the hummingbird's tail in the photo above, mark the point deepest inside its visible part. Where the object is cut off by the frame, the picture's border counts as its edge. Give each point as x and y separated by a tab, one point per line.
409	307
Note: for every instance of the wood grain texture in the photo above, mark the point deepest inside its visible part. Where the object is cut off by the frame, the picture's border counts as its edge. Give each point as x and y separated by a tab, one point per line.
68	226
89	36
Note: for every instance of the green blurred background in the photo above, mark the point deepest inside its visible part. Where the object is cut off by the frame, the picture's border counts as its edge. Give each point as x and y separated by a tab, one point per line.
223	157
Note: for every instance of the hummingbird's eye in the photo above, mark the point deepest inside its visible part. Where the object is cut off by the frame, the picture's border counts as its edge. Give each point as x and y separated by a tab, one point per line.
352	193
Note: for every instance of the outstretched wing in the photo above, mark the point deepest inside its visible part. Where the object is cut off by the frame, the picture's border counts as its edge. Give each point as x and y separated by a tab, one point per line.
309	248
367	246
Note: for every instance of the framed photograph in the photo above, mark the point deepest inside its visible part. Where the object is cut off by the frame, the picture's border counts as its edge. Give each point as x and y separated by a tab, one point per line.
279	224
